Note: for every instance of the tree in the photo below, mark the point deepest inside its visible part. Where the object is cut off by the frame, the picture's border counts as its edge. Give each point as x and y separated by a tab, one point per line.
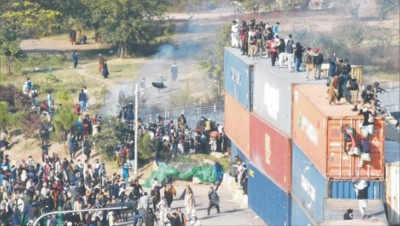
5	116
126	23
15	99
214	64
30	123
64	120
9	46
385	7
23	19
113	132
27	19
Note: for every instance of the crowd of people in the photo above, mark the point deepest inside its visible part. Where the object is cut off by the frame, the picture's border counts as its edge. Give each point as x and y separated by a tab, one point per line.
174	138
263	40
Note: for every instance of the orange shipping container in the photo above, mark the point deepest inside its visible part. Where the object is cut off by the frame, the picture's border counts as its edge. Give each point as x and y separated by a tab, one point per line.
237	124
317	131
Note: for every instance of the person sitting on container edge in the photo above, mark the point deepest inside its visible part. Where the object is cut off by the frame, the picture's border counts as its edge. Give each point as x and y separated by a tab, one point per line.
348	215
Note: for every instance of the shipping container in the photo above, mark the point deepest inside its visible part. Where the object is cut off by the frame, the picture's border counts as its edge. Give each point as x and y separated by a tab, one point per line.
392	153
237	124
270	151
310	187
317	131
238	76
393	193
272	94
267	199
298	215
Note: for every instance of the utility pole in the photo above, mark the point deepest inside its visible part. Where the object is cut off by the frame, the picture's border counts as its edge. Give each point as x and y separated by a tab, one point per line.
136	126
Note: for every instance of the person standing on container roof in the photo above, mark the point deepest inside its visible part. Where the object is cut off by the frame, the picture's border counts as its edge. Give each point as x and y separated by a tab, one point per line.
319	59
332	65
273	49
309	60
275	28
235	34
289	52
298	56
361	189
243	31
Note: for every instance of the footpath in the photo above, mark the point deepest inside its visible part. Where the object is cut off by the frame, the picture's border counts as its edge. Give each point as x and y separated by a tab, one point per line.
231	214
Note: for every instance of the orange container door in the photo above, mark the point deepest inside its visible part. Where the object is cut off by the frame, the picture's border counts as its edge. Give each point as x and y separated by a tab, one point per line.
340	164
375	169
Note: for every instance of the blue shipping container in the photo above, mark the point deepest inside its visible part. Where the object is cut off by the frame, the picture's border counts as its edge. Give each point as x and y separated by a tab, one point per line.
298	216
238	77
267	199
310	187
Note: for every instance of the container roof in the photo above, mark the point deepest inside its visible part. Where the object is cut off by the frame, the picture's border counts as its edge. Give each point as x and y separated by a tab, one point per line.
318	95
263	65
336	208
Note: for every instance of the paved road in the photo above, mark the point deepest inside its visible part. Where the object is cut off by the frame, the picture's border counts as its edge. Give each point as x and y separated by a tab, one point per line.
230	214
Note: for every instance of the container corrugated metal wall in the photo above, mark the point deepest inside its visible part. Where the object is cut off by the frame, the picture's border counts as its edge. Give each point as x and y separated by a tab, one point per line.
270	151
267	199
345	190
237	124
342	166
393	193
238	77
298	216
273	101
308	185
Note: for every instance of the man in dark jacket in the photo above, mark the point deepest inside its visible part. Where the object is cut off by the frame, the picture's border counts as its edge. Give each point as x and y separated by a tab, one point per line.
213	200
319	59
151	218
290	52
82	99
361	189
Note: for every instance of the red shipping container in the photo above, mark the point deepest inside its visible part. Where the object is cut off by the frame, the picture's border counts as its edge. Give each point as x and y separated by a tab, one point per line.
317	131
237	124
270	152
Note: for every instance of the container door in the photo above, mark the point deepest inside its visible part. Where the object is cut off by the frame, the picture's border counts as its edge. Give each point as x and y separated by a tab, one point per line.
374	170
339	163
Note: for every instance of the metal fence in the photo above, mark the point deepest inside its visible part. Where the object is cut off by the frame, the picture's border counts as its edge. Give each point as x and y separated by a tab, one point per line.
193	114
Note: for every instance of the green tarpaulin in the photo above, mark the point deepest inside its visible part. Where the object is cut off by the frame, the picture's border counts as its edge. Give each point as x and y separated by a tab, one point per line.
204	173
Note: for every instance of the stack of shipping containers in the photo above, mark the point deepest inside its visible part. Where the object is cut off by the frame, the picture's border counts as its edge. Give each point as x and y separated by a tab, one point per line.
292	150
321	169
238	75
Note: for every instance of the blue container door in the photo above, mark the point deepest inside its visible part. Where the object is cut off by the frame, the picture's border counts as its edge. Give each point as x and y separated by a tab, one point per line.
267	199
345	190
309	187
